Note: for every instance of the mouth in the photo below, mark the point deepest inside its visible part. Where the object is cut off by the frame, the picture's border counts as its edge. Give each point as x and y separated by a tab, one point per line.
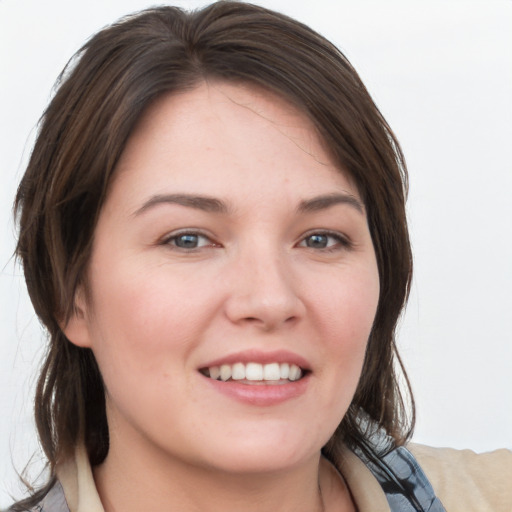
252	373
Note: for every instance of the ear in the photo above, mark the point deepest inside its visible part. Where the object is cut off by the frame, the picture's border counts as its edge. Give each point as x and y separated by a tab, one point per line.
77	328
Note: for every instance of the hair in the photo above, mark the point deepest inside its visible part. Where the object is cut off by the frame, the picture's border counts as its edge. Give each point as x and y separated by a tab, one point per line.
100	96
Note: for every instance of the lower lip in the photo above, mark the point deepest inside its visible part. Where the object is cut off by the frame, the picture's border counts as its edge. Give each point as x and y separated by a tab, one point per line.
262	395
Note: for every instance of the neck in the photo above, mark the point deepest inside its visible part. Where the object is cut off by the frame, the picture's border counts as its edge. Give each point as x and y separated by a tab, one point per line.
131	483
137	475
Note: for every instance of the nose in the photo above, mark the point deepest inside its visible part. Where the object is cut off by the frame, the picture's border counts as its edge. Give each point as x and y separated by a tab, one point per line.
263	292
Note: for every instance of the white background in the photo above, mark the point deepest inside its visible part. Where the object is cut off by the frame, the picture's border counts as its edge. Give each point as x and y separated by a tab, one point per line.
441	72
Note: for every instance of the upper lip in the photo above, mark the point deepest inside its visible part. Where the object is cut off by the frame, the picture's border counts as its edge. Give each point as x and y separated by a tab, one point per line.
262	357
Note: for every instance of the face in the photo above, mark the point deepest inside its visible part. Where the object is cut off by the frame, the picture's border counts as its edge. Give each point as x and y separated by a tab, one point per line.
232	285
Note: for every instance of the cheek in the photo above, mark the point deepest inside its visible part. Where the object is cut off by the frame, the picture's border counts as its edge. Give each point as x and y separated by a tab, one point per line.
347	305
145	323
344	316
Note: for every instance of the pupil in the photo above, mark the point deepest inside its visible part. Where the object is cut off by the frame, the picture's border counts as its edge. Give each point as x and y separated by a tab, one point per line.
317	241
187	241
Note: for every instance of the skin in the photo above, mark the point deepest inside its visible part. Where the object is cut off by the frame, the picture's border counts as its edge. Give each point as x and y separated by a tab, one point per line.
156	313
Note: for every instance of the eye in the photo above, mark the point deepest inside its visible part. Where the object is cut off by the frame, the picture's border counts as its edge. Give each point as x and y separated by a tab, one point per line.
324	240
188	240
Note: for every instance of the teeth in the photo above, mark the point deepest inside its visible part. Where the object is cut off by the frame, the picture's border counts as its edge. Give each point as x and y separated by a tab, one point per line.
238	372
295	373
225	372
271	372
285	370
256	372
215	372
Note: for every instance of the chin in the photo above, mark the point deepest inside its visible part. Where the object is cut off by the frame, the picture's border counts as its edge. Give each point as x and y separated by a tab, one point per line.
264	452
259	462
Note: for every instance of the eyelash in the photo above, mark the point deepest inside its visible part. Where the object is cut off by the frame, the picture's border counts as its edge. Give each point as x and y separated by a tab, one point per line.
341	242
171	240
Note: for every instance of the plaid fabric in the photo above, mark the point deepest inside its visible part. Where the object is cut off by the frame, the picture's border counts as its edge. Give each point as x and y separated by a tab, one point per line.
404	483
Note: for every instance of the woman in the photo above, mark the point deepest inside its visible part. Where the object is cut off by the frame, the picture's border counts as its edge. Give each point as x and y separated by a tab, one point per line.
212	228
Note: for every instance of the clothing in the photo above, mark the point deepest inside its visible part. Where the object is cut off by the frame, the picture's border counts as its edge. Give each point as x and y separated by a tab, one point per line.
463	481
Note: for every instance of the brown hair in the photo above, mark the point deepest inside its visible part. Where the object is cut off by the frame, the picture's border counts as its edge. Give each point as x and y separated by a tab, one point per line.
100	97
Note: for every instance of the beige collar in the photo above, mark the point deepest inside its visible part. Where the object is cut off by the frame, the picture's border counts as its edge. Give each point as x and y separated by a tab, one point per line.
75	476
364	487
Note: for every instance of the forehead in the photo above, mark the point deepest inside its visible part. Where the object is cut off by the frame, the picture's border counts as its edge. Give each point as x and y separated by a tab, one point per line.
223	103
219	136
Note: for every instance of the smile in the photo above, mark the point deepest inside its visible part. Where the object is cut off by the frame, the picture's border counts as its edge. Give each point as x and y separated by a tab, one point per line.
254	373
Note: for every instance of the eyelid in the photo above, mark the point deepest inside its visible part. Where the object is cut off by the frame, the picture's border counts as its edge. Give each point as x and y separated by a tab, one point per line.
344	242
173	235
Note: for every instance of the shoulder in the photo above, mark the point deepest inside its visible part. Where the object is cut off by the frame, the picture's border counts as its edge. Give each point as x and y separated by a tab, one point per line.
465	480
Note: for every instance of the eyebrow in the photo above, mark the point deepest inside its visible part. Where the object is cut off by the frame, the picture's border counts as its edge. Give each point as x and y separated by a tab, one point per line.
214	205
205	203
326	201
